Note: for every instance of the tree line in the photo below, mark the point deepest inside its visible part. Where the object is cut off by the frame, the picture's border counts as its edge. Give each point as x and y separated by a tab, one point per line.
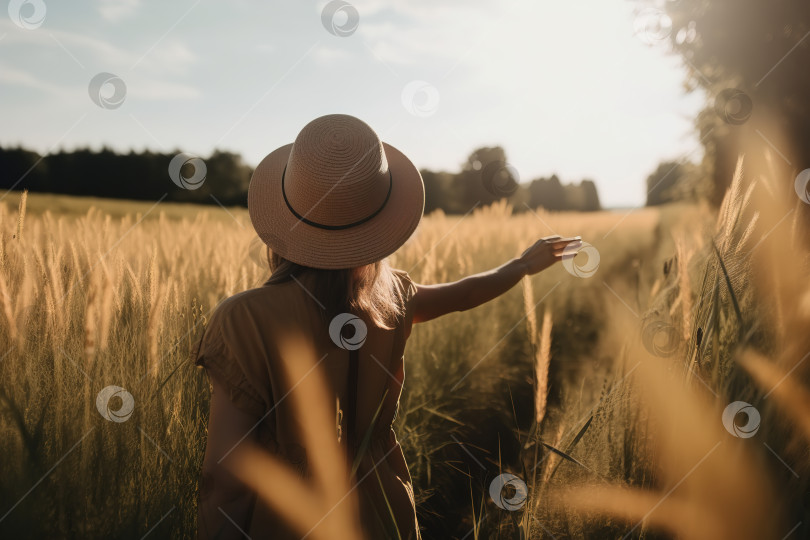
223	177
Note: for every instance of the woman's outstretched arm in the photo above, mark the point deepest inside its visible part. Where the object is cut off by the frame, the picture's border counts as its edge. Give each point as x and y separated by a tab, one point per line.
431	301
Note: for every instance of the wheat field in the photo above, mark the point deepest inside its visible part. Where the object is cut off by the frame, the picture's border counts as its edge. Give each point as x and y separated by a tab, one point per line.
602	391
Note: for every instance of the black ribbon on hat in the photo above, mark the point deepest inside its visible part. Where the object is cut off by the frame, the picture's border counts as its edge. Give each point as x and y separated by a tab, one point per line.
336	227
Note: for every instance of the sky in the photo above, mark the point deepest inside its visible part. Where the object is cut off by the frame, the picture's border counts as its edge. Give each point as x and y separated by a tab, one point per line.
571	88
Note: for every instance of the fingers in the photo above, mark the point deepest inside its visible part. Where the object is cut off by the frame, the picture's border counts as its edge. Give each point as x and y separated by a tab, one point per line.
567	248
560	246
563	241
570	244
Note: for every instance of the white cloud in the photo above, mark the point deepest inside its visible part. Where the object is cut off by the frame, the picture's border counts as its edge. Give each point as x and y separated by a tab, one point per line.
146	89
170	56
450	36
16	77
117	10
326	55
82	46
153	90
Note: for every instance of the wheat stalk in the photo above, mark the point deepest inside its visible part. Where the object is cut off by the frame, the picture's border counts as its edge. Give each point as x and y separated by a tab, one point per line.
21	215
7	308
528	308
541	365
684	287
153	328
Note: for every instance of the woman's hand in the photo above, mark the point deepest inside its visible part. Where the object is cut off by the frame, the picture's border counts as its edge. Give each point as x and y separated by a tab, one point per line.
547	251
431	301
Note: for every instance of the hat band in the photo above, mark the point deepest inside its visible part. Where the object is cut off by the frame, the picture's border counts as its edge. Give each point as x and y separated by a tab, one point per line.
336	227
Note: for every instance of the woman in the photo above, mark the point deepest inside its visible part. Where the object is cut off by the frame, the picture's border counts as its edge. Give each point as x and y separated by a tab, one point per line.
330	207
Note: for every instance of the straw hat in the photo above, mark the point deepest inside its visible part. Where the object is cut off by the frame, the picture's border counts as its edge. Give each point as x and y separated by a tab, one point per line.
337	197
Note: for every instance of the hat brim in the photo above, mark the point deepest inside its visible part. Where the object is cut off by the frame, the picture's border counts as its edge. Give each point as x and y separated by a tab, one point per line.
315	247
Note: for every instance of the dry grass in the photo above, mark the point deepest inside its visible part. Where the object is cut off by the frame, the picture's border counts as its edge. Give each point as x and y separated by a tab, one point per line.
741	343
91	300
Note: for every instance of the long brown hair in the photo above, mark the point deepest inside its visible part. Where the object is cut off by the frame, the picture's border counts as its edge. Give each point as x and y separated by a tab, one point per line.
371	289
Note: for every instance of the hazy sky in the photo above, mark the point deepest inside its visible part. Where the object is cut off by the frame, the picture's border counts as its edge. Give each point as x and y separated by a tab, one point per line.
565	87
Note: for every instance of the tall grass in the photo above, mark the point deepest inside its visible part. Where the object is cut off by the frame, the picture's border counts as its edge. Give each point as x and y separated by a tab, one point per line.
90	300
744	339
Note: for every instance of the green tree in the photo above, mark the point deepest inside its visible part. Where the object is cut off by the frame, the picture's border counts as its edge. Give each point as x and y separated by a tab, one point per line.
662	183
548	193
751	58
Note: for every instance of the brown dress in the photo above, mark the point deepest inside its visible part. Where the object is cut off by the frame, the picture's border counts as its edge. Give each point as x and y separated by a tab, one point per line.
240	348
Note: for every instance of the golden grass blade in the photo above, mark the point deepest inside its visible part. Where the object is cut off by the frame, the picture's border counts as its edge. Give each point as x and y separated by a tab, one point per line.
8	310
277	485
684	288
703	469
541	368
529	309
325	507
21	215
682	517
548	467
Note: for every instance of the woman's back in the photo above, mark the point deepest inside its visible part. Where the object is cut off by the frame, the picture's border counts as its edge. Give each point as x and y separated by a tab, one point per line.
242	348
